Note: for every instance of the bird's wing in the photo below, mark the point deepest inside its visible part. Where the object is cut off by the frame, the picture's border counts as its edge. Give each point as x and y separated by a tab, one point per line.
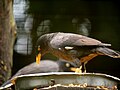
71	40
44	66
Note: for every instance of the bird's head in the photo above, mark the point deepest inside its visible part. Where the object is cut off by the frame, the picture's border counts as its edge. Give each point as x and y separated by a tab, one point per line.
41	47
66	66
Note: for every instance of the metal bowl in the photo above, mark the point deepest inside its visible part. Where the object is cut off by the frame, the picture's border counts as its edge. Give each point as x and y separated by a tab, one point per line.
47	79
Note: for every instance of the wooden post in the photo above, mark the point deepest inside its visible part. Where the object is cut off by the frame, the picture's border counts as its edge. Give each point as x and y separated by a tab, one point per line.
7	37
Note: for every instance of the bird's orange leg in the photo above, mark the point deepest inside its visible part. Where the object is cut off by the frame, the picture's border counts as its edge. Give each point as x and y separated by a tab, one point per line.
85	66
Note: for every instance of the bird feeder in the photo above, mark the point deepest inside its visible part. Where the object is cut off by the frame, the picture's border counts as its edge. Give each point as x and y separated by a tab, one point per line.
67	81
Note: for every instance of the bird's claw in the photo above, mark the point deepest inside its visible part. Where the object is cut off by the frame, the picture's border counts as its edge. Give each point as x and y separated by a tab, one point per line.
85	71
79	70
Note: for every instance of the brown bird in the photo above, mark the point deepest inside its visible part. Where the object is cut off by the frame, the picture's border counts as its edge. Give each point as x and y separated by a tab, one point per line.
45	66
75	48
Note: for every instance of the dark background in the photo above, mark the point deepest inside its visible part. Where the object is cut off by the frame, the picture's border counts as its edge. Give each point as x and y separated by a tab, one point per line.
105	21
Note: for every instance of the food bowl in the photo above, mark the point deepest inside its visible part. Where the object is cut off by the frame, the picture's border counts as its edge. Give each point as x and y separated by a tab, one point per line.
67	79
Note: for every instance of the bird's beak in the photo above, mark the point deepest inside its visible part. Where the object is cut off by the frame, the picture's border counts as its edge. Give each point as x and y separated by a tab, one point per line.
38	57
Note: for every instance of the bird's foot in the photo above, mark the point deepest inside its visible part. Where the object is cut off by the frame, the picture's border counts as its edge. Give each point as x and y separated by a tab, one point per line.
84	71
79	70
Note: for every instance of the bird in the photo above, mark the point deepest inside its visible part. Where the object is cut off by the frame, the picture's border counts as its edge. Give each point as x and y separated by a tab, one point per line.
75	48
45	66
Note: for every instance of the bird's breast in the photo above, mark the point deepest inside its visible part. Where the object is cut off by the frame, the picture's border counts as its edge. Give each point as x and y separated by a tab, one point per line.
62	54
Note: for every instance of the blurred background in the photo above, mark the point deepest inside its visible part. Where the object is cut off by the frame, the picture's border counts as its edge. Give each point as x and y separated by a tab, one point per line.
37	17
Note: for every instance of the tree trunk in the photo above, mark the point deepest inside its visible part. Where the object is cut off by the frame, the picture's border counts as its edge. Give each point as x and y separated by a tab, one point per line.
7	37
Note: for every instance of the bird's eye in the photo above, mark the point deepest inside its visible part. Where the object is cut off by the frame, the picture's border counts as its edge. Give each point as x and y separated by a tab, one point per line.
67	65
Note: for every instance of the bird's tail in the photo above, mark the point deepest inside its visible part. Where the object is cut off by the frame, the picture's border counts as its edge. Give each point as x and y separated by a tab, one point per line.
108	52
